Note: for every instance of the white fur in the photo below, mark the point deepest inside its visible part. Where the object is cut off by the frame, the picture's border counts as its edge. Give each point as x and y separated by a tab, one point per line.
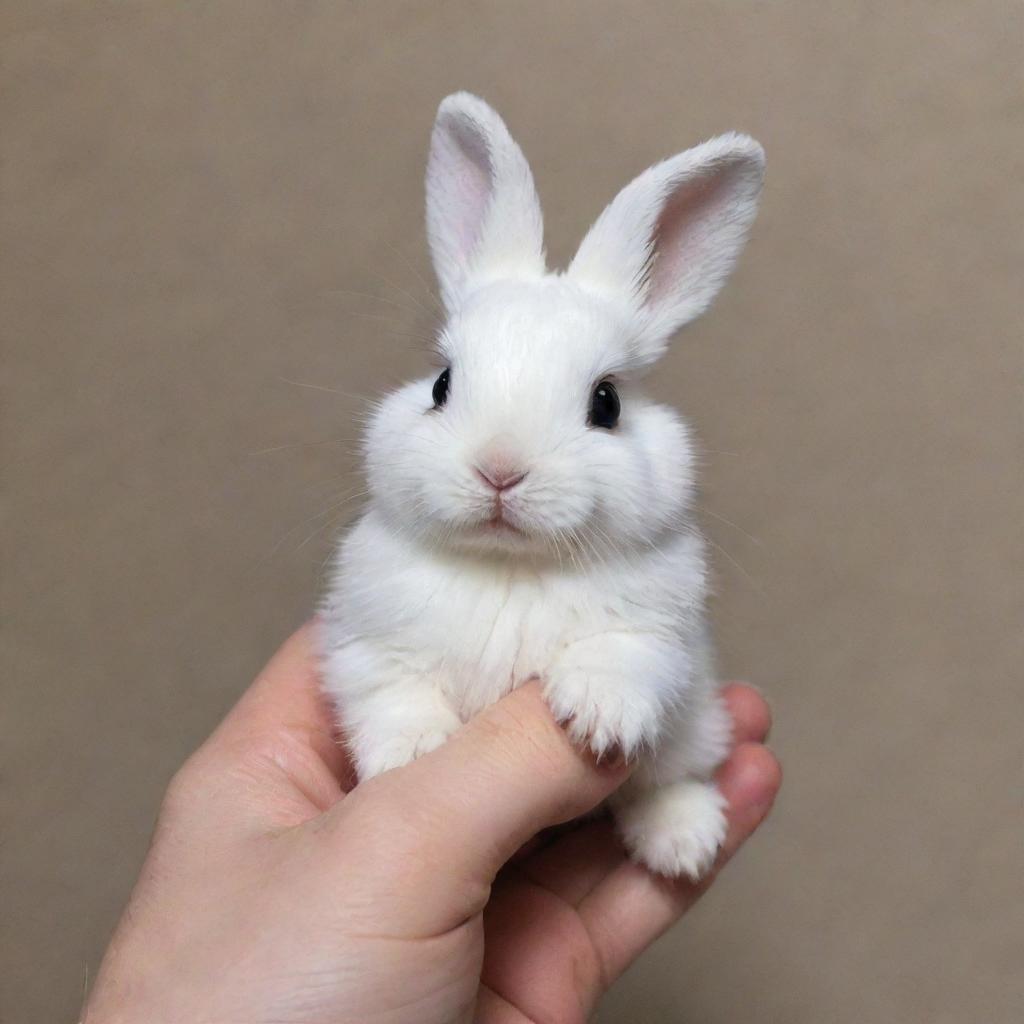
670	238
483	214
597	582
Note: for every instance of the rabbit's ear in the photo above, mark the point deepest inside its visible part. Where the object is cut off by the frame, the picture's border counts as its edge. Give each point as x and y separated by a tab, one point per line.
668	241
483	215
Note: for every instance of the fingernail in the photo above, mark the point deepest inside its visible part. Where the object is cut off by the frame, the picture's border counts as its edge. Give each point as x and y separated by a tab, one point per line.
613	758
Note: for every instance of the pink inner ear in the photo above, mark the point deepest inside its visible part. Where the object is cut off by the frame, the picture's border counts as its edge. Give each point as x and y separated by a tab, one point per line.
681	241
473	174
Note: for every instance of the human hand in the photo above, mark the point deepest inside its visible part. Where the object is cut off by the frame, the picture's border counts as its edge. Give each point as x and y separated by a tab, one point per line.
277	890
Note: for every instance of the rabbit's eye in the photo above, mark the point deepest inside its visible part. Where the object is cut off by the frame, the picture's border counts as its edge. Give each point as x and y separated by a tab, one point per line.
604	406
441	388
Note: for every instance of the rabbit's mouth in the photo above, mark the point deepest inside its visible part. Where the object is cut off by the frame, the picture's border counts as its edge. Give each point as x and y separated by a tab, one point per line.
499	524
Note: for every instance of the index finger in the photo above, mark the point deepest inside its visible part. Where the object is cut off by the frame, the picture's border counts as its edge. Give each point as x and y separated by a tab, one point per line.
286	700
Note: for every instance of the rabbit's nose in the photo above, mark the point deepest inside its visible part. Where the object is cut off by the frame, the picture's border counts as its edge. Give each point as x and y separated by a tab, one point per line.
500	474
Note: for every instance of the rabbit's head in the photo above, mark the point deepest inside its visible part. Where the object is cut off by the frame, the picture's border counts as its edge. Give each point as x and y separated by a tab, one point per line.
534	437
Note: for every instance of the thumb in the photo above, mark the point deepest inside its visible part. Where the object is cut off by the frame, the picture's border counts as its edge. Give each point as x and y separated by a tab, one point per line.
466	807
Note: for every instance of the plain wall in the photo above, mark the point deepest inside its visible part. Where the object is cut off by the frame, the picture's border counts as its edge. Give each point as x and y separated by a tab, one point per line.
204	203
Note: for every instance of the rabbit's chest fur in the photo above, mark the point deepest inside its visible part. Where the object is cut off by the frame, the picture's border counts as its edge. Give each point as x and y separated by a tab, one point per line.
480	628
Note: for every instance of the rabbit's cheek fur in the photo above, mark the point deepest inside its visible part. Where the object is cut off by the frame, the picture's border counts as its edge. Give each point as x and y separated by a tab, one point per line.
506	536
584	487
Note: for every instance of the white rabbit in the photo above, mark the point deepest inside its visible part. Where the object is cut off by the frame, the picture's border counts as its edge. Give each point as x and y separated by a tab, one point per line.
530	511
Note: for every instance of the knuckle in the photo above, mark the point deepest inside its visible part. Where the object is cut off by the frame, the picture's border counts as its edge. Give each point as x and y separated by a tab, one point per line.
180	792
185	787
520	734
774	766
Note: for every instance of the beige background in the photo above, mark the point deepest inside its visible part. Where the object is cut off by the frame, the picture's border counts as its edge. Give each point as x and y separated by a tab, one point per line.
191	194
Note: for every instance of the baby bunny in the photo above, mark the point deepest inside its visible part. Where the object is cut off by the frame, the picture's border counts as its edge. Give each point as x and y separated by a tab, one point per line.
530	510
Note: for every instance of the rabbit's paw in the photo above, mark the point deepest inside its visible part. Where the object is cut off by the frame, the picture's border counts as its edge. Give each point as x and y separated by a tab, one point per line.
598	710
402	746
675	829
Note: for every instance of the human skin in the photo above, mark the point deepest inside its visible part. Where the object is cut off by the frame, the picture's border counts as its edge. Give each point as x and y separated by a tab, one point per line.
276	890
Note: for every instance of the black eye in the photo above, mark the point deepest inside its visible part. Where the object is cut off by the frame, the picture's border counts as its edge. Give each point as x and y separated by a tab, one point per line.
604	406
441	388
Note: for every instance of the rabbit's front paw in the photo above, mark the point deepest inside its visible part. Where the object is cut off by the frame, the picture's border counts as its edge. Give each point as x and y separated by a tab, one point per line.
675	829
403	746
598	710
